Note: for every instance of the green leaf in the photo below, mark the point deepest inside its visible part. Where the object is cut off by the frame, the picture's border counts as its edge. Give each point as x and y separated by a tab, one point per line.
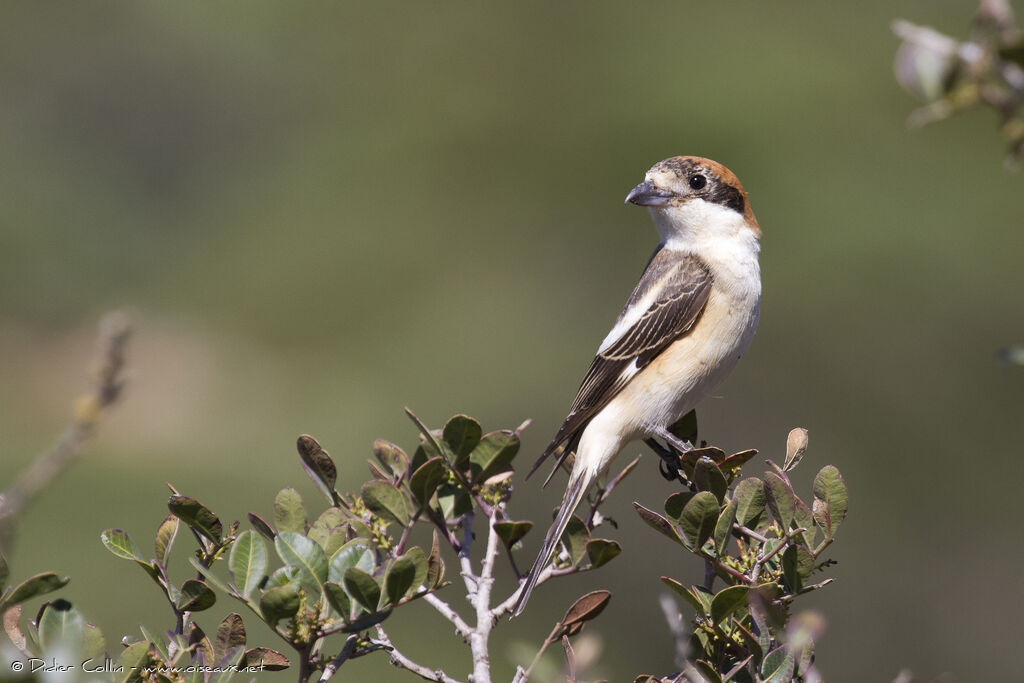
685	594
261	526
575	537
676	502
289	511
511	533
750	500
304	553
230	634
386	501
338	599
355	553
330	530
120	544
425	479
698	518
197	516
831	499
61	629
318	466
781	500
391	457
494	454
195	596
778	666
279	603
723	528
165	535
797	565
453	501
602	551
130	662
796	446
659	523
248	561
283	576
5	572
461	434
727	601
399	579
731	465
708	477
362	587
33	587
419	560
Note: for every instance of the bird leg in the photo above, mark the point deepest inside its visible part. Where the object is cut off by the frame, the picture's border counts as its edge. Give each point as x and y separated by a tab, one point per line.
669	466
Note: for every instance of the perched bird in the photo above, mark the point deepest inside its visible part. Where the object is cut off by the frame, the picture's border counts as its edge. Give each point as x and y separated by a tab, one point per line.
690	318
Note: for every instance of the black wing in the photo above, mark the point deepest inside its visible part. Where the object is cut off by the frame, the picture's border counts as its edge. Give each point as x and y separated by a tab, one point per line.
682	285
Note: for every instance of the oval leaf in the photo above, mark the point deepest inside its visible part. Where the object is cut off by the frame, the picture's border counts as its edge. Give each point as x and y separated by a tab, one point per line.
34	586
338	599
120	544
727	601
708	477
165	535
304	553
750	500
796	446
197	516
266	659
386	501
659	523
195	596
355	553
583	610
61	628
723	528
399	579
318	465
391	457
330	530
601	551
781	500
279	603
831	491
362	588
511	533
248	562
289	511
425	479
698	518
461	434
494	454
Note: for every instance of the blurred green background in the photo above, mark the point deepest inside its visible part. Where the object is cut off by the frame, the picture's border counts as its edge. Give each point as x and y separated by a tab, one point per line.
321	213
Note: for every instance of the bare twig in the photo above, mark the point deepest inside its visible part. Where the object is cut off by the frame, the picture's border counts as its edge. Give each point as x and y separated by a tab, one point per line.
346	652
461	627
403	662
675	627
108	381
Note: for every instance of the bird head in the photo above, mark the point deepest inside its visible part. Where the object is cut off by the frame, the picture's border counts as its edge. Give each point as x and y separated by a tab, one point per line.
694	196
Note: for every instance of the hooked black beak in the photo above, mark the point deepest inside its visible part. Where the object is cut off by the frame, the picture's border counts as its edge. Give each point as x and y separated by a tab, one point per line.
645	194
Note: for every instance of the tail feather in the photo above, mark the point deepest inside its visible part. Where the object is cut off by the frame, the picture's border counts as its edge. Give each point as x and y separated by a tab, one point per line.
579	482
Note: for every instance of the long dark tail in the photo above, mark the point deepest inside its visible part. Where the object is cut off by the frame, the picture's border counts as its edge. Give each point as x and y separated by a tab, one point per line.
579	482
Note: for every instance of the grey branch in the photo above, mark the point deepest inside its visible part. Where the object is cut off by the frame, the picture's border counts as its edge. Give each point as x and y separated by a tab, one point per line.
108	381
403	662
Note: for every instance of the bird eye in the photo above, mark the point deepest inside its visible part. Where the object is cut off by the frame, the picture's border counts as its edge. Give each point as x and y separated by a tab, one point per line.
698	181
